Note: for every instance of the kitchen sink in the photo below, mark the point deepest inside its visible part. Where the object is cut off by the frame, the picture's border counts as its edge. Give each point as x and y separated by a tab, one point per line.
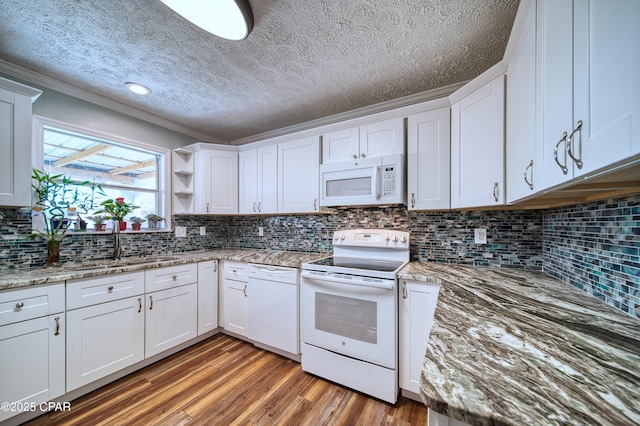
109	263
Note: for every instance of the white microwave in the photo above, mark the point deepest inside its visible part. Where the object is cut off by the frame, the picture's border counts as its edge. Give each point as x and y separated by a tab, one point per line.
370	181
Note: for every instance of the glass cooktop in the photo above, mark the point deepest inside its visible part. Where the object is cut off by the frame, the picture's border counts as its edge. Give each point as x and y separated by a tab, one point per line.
359	263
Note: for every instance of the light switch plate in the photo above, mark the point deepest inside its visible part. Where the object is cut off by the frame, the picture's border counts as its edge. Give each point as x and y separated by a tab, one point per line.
203	230
260	231
181	231
480	235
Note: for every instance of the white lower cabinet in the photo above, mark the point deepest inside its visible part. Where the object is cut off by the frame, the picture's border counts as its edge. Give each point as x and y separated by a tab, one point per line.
207	296
104	338
235	301
32	345
171	318
417	307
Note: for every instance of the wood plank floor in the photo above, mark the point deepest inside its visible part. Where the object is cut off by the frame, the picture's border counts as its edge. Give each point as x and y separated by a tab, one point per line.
226	381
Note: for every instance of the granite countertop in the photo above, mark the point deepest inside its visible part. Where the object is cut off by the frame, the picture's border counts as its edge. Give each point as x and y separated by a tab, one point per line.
71	271
513	347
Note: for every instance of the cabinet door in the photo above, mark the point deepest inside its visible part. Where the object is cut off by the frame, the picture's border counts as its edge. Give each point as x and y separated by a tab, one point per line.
382	138
606	96
216	185
248	181
207	296
428	160
298	176
521	111
268	179
341	145
103	339
32	367
236	307
554	94
171	318
477	147
15	149
417	307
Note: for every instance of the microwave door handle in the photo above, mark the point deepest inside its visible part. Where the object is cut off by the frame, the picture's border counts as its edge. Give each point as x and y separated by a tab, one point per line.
378	182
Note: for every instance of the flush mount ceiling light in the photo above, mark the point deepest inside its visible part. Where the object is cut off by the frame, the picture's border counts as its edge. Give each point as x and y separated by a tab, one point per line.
137	88
230	19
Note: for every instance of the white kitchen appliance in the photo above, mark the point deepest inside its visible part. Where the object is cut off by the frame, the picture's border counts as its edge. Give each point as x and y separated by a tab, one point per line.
370	181
273	309
349	311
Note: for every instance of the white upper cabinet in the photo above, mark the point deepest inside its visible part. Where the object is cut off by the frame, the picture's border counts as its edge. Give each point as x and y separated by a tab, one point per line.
521	170
182	166
477	146
379	138
15	143
259	180
428	160
216	182
298	176
587	86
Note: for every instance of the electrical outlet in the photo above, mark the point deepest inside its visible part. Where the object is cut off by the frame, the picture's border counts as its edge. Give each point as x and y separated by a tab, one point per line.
181	231
260	231
480	235
203	230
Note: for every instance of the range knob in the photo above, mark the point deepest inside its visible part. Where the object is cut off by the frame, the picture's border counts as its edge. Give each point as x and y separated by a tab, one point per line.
387	238
342	237
395	238
404	239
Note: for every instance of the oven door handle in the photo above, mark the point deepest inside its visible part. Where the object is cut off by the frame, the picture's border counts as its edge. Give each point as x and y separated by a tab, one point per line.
363	282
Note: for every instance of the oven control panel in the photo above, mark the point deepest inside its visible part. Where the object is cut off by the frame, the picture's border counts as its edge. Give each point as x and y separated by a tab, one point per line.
383	238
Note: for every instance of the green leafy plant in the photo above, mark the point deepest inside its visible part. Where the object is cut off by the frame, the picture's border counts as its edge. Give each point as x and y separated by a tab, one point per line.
135	219
54	195
117	208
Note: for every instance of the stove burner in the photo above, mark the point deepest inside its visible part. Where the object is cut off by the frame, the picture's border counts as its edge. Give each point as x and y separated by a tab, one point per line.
358	263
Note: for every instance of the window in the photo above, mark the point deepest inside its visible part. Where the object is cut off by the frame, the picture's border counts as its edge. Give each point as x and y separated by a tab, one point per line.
123	168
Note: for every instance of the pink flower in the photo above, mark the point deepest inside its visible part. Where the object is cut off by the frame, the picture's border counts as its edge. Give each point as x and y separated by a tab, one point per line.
120	200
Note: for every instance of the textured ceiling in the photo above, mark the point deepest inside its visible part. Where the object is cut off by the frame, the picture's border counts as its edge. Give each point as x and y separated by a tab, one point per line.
304	60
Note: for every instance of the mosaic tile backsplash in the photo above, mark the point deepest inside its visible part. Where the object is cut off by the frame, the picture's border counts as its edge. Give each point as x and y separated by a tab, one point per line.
592	246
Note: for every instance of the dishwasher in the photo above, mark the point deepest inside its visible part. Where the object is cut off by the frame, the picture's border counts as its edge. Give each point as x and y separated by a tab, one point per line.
273	308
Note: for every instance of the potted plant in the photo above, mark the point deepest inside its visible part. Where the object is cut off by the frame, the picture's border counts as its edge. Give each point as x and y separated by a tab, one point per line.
153	220
136	222
117	209
55	195
98	222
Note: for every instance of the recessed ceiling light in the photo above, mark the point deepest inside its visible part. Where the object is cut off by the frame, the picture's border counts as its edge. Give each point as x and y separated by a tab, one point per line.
137	88
230	19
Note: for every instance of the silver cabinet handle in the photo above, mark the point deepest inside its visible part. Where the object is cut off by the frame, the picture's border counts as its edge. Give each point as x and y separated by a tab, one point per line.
57	320
496	191
110	289
207	207
315	203
404	289
254	206
259	206
529	167
19	305
355	156
363	155
215	266
139	304
245	290
174	277
151	302
577	160
413	199
555	154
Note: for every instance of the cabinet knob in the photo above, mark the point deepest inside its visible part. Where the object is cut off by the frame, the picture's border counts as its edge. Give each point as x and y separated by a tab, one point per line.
355	156
19	305
110	289
363	155
174	277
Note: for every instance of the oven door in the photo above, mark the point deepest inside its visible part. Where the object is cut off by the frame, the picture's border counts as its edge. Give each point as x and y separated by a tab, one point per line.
351	315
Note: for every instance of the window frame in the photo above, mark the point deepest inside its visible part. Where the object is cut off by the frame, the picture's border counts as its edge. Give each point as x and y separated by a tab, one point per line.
164	180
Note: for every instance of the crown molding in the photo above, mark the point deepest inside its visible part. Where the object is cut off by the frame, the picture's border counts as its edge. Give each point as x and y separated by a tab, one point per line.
47	82
418	98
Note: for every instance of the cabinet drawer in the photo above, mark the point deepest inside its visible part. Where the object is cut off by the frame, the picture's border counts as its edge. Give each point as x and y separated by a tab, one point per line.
238	271
91	291
32	302
171	276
